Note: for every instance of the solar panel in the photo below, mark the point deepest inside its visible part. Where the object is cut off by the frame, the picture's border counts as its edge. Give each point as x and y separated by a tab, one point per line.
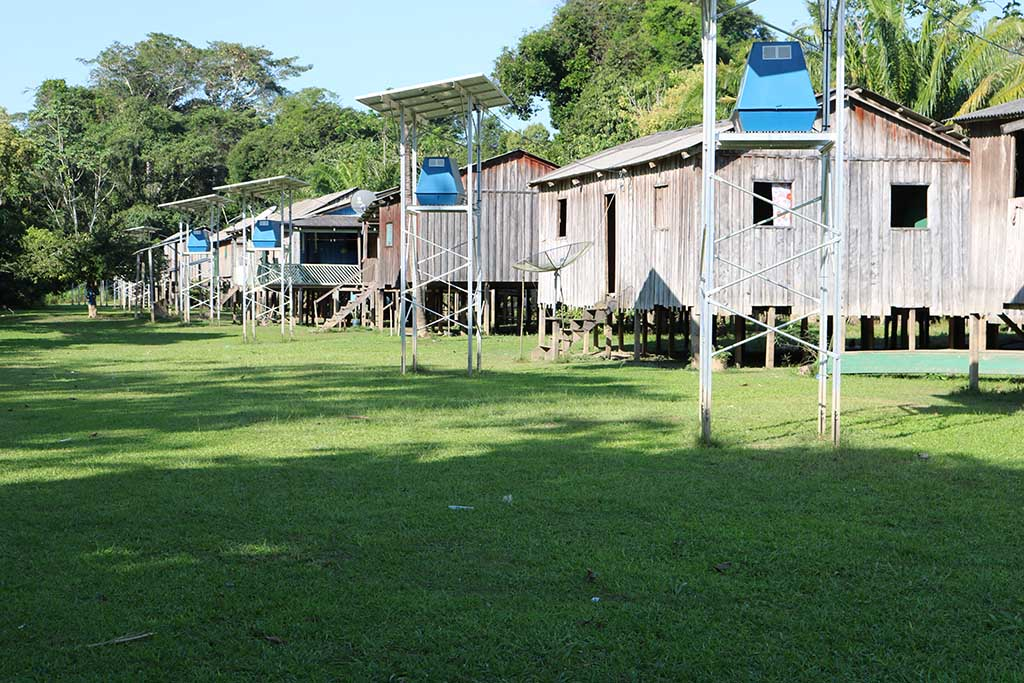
439	98
263	187
194	203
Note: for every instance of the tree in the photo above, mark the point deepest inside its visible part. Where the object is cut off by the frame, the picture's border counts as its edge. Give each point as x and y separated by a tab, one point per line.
172	73
603	65
302	126
16	155
938	58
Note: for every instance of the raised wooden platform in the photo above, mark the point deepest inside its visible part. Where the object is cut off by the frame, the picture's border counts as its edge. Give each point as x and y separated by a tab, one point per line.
933	362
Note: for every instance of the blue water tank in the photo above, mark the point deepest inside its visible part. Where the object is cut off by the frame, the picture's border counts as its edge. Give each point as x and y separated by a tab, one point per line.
266	234
440	183
776	95
198	242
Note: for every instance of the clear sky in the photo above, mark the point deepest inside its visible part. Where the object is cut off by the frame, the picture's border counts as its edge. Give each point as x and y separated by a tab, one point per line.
355	47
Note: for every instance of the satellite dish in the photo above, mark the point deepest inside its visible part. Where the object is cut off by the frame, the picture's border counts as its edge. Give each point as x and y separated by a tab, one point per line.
361	201
553	261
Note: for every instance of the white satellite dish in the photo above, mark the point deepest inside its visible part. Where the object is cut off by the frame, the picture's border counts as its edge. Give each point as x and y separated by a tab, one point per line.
553	261
362	200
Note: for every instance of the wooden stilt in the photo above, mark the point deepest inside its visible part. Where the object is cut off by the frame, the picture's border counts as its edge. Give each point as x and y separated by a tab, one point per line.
645	329
609	317
769	344
911	329
636	335
671	332
739	325
688	329
975	352
926	328
542	323
491	313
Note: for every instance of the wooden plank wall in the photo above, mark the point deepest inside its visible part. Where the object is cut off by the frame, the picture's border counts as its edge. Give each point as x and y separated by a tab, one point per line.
885	267
996	246
508	231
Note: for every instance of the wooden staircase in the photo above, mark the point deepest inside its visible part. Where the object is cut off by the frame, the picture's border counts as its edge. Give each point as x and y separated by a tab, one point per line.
339	317
565	333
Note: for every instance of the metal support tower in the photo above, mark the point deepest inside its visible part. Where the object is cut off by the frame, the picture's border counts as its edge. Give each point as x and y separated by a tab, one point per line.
431	260
827	244
198	287
263	275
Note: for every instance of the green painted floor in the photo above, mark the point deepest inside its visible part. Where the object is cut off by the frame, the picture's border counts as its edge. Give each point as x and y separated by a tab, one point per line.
932	362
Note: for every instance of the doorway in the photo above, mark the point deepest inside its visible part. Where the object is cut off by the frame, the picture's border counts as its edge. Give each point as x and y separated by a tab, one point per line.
609	232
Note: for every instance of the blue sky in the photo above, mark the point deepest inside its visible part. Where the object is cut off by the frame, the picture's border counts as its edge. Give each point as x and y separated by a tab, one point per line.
354	47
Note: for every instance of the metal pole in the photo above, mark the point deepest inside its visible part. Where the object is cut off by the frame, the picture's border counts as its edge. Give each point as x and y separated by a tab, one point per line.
470	272
414	249
281	258
245	273
709	48
823	290
152	286
476	241
291	280
826	68
403	171
839	217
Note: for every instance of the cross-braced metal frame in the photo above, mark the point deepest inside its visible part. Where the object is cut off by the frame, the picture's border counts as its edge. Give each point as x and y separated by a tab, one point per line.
454	266
827	246
434	260
264	276
198	287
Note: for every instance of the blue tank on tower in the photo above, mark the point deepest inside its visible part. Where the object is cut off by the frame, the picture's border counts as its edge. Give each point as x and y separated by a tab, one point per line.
776	95
266	234
198	241
440	183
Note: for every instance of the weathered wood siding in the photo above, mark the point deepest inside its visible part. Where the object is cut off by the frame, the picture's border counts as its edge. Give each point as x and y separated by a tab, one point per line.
996	245
884	267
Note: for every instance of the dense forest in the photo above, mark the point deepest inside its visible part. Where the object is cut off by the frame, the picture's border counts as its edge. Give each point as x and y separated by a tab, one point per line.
163	119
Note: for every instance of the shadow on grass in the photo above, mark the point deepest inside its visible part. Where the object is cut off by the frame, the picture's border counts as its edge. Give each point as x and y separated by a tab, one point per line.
352	558
61	330
319	545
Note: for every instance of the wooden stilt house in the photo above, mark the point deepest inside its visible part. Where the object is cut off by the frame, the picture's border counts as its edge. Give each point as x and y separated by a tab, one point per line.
508	233
639	205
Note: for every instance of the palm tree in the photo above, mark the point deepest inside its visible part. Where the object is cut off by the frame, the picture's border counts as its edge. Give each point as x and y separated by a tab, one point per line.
935	56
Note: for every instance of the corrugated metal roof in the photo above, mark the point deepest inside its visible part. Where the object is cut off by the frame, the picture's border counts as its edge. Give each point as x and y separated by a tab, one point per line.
1007	110
668	143
642	150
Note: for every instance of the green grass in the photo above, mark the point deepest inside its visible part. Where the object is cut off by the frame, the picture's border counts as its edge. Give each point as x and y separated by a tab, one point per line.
172	480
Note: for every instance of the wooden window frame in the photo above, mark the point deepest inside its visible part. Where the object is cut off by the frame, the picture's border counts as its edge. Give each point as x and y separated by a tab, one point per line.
756	201
664	204
562	218
927	195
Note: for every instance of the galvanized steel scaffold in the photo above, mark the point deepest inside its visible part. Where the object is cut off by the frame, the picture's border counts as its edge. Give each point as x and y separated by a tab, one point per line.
454	266
263	276
197	288
830	143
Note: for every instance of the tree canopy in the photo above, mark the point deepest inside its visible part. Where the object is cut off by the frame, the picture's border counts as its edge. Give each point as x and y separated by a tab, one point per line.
163	119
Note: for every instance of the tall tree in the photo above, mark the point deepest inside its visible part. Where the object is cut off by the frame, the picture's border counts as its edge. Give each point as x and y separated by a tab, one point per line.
604	64
16	154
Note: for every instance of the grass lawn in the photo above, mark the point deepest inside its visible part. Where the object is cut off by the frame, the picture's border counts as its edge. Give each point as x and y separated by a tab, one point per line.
279	511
